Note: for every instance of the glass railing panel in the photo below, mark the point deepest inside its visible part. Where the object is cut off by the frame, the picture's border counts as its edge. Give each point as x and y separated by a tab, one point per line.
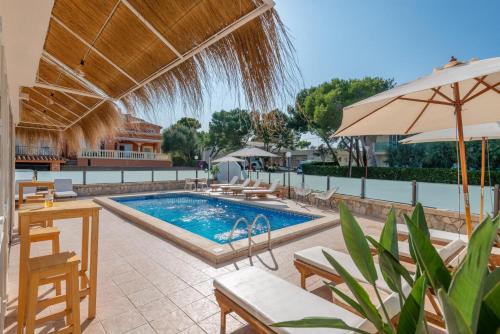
346	186
450	197
104	176
75	176
164	175
316	182
187	174
137	176
388	190
276	176
23	174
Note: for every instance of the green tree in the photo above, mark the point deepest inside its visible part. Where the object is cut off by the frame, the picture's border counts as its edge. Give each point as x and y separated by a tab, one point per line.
302	144
319	109
273	130
228	130
181	141
190	123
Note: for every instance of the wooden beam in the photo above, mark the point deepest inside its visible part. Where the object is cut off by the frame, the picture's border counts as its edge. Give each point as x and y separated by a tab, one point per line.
44	114
88	112
464	101
55	102
37	128
67	95
122	71
36	123
151	28
441	94
66	90
48	109
71	73
481	81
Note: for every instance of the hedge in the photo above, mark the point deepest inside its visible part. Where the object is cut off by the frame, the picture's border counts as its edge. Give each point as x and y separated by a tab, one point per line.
433	175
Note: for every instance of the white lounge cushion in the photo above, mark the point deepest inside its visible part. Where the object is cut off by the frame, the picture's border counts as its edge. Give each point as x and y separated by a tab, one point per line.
271	299
437	235
65	194
448	252
315	257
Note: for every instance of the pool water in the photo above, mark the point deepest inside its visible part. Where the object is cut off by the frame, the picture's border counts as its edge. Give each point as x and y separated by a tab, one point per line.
212	218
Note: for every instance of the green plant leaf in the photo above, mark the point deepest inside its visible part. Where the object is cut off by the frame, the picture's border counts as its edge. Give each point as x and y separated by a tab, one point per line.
418	217
319	322
357	245
359	293
489	315
355	305
391	269
455	322
466	288
389	235
412	313
428	258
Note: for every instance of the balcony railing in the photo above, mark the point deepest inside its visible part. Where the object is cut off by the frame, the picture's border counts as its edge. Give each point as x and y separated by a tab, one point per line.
126	155
35	150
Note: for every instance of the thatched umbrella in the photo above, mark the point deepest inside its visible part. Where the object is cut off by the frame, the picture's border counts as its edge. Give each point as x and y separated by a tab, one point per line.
452	96
146	53
481	132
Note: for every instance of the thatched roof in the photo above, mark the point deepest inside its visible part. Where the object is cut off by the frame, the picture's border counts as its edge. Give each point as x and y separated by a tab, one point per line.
145	52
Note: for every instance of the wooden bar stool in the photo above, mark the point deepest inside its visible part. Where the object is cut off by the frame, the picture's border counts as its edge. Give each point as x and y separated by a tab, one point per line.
51	234
48	269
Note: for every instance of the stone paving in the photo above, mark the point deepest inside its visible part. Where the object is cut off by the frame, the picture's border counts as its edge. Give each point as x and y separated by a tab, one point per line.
149	285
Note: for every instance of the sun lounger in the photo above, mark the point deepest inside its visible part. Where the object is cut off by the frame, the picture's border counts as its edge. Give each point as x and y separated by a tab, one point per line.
438	237
214	186
312	261
227	188
272	190
262	299
238	190
63	188
447	252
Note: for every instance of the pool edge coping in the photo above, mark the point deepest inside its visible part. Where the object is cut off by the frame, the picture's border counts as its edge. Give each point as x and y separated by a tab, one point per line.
210	250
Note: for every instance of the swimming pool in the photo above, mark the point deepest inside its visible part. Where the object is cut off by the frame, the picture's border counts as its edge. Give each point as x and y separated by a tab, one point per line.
211	218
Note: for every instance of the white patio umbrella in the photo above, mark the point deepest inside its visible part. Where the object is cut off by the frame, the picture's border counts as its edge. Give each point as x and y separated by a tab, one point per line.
250	152
452	96
481	132
228	159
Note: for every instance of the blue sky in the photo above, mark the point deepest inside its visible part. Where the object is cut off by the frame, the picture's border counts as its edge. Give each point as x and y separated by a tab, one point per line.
400	39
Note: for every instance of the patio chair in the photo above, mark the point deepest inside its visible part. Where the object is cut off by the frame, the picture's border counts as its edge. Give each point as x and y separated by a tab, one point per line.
261	193
302	193
203	183
189	184
228	188
325	197
218	185
27	191
262	299
63	188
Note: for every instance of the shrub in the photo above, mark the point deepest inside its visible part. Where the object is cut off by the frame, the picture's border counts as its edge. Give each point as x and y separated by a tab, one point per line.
432	175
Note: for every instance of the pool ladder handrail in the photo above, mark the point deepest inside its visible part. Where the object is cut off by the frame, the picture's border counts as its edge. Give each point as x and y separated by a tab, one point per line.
250	228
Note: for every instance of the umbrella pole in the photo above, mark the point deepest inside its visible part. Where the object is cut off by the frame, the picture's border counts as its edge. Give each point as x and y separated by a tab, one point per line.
483	167
463	161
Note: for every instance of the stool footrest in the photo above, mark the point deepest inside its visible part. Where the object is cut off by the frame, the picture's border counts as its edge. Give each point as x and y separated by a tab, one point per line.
52	317
44	303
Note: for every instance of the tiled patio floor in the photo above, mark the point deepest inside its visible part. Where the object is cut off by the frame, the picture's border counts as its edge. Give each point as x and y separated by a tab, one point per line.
147	284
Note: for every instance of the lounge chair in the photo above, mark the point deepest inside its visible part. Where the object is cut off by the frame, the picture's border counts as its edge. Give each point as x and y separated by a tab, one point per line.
302	193
63	188
438	237
272	190
218	185
27	191
228	188
254	186
203	183
263	299
325	196
312	261
189	184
